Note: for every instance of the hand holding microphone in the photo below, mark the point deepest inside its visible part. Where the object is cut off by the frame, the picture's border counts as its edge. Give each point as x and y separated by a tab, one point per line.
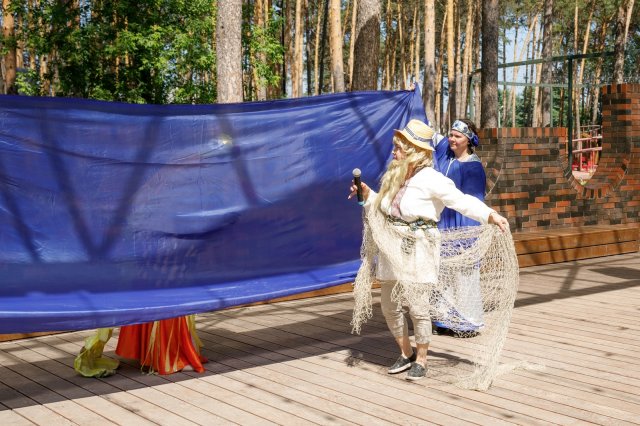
358	188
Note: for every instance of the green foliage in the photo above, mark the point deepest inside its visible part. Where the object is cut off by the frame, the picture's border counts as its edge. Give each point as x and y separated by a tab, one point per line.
27	83
150	51
262	48
266	41
163	51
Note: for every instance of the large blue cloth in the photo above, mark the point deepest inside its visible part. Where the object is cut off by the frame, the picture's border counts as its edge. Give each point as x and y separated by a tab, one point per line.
114	214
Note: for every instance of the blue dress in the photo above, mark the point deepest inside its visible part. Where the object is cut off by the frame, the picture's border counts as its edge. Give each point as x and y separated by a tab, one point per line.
470	178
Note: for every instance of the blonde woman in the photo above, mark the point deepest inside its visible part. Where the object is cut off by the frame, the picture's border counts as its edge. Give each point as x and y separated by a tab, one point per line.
403	218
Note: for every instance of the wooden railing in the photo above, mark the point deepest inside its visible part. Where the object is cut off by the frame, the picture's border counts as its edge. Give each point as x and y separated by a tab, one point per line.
586	151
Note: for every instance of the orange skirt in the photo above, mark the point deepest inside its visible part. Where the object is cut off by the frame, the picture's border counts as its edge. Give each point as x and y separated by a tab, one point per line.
164	346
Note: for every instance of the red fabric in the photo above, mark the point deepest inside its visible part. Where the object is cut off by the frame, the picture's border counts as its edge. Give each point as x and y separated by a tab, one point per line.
168	351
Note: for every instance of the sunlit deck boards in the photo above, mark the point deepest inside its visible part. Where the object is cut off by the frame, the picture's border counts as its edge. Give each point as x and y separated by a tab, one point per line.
296	363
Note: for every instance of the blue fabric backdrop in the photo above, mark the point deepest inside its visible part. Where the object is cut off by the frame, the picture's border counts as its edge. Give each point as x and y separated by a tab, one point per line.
114	214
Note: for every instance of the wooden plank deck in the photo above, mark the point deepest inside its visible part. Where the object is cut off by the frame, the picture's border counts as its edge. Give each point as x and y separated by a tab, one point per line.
296	363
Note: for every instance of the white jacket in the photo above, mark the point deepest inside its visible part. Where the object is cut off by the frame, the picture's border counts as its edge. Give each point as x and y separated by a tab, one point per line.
428	193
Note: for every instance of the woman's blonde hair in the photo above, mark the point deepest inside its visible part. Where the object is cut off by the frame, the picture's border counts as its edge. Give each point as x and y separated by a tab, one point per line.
398	170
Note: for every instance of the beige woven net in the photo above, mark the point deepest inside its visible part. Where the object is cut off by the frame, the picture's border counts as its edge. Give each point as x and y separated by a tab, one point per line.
469	276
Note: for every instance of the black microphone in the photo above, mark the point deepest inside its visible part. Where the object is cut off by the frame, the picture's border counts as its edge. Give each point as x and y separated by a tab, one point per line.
358	184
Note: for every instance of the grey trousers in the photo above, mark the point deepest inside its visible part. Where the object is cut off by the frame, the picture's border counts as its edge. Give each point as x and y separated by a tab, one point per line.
395	315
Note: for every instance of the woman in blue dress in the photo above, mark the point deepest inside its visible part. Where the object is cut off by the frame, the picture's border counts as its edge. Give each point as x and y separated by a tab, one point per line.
456	159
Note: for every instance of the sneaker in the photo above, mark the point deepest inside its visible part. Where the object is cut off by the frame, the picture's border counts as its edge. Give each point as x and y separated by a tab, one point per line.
441	331
402	364
417	372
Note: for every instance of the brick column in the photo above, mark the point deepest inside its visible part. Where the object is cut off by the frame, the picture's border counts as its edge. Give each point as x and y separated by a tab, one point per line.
529	178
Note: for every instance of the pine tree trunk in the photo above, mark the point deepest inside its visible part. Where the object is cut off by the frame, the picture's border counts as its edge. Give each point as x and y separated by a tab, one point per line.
411	38
599	45
580	70
259	21
519	58
429	89
316	53
537	98
621	39
10	57
439	76
416	30
401	38
352	44
489	83
547	67
389	44
367	37
476	64
229	49
458	56
289	16
451	62
335	37
467	57
296	66
307	49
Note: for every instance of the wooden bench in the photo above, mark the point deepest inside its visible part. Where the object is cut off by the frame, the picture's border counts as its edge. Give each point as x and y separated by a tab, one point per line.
566	244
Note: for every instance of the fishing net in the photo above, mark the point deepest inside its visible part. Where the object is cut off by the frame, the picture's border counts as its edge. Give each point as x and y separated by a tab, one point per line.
468	275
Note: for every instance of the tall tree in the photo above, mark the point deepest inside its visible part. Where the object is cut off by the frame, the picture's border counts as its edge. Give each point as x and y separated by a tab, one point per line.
469	43
523	50
389	46
429	89
354	16
440	75
476	62
623	18
367	39
9	45
296	66
416	49
229	48
544	118
402	52
451	62
600	40
258	56
580	71
335	41
316	53
489	73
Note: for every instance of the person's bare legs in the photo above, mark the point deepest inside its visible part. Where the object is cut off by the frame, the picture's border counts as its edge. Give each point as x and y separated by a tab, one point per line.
405	346
421	356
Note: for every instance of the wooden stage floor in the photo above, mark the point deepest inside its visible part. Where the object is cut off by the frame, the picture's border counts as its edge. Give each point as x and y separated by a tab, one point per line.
296	363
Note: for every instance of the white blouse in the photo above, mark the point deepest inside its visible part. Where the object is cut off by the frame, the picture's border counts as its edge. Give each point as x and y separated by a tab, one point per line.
428	192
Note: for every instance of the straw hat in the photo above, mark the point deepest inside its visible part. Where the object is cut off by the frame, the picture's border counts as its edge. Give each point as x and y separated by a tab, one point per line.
417	133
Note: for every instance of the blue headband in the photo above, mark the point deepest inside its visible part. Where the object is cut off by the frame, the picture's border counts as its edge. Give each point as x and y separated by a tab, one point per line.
463	128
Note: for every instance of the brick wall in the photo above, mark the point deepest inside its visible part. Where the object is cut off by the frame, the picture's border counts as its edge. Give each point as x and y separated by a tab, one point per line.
529	178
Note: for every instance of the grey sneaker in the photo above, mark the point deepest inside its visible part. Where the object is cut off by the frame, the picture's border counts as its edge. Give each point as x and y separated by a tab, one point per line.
402	364
417	372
